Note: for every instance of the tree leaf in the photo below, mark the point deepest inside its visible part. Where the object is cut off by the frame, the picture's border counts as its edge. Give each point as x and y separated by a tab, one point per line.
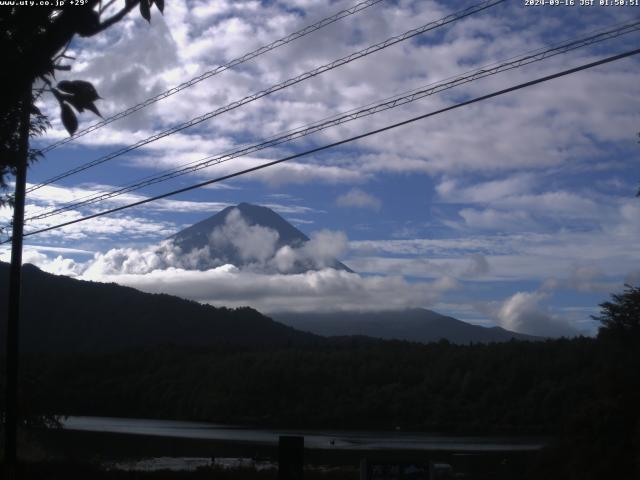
69	119
88	22
91	106
145	10
85	91
74	101
79	94
160	5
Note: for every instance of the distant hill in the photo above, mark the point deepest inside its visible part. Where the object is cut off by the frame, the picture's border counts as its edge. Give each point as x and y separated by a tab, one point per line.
416	325
198	236
61	314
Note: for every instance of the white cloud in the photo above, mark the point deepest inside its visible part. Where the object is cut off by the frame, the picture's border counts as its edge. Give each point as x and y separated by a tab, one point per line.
358	198
324	246
491	219
105	228
266	278
553	126
51	197
511	256
323	290
583	278
523	313
58	265
320	290
253	242
257	249
452	190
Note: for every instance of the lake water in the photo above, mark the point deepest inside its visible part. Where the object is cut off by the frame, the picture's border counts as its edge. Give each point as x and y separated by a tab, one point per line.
315	439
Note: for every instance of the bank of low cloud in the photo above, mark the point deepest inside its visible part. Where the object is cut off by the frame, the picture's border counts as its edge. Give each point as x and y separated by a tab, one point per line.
244	264
320	290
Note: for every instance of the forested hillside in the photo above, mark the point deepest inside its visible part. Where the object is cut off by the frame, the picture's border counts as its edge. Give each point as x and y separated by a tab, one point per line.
64	315
515	387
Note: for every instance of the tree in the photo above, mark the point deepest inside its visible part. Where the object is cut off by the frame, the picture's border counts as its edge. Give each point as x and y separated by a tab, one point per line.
34	41
620	318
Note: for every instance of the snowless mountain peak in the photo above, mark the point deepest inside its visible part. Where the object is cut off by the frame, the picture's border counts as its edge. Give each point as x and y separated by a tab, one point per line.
253	236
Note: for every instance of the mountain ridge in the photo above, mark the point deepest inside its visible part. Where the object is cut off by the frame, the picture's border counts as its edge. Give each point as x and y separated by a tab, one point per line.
413	324
62	314
210	234
74	316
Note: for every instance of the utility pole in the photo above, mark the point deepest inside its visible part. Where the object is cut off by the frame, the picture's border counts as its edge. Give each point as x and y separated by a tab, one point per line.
15	283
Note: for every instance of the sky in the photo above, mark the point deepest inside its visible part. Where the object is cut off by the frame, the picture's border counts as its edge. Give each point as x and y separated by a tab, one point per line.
519	211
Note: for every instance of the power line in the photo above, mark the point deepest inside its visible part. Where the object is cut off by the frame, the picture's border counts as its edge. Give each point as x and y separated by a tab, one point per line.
275	88
342	142
210	73
387	104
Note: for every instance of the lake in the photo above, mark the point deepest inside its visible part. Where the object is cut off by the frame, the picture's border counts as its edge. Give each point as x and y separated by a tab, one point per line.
313	439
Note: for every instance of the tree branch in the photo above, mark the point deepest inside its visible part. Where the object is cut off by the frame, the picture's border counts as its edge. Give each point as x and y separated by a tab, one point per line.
62	53
107	5
131	4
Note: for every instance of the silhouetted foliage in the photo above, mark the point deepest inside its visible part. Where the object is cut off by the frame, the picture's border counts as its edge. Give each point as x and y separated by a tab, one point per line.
564	389
34	40
181	360
602	437
84	471
514	387
620	318
75	316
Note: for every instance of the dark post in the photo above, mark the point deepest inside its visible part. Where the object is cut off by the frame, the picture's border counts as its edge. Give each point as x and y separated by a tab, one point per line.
11	411
290	457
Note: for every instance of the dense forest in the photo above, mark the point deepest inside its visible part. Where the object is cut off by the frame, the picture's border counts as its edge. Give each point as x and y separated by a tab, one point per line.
515	387
583	393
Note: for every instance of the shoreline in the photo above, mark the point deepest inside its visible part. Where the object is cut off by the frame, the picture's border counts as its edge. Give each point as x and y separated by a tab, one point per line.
76	445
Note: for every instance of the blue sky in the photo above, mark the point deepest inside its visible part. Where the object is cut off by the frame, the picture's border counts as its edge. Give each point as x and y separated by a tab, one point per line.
518	211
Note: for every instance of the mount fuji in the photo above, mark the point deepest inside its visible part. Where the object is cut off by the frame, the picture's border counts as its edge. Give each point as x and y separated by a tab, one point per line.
246	235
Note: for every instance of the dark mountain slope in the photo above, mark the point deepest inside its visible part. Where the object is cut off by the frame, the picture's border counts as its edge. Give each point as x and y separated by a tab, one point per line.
61	314
197	235
416	325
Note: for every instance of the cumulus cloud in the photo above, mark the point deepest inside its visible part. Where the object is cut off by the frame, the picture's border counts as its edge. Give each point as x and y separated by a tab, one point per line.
117	261
252	242
523	312
320	290
327	289
321	251
188	41
253	248
358	199
303	277
58	265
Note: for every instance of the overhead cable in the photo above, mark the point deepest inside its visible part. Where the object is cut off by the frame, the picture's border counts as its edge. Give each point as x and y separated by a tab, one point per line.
275	88
210	73
387	104
341	142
